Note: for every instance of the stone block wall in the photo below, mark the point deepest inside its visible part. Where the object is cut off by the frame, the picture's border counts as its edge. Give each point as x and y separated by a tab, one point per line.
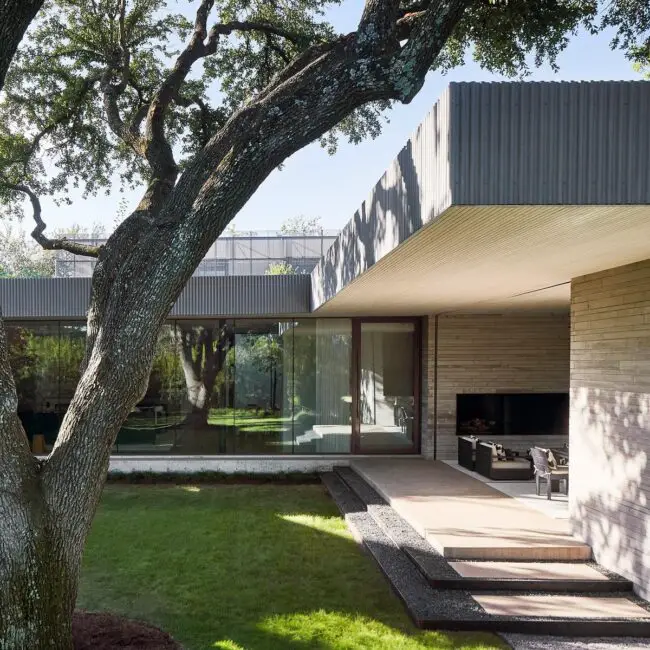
492	353
610	418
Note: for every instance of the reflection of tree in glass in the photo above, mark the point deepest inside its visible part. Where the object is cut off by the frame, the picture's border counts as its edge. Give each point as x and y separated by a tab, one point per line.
203	352
266	356
43	364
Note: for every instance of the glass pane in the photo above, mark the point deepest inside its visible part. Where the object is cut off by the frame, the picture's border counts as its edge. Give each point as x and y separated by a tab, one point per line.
34	360
386	389
321	386
72	347
262	404
152	426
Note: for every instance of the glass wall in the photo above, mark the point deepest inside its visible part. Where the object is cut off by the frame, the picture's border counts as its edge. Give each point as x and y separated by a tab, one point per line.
224	386
386	386
319	367
38	362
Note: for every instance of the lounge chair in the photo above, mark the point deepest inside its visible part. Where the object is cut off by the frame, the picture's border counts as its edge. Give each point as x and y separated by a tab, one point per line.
547	470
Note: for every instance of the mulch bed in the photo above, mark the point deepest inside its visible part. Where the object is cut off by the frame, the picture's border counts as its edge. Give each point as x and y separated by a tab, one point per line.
99	631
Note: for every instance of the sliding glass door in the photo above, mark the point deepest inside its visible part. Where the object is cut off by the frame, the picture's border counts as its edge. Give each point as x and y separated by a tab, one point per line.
386	392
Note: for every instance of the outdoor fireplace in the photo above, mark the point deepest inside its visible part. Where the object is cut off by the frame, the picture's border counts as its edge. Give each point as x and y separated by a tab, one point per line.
494	414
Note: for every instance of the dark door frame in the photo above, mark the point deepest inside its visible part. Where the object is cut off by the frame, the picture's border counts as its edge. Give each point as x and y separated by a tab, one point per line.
355	384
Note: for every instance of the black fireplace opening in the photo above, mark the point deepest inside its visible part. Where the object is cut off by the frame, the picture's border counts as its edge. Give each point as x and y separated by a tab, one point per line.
535	414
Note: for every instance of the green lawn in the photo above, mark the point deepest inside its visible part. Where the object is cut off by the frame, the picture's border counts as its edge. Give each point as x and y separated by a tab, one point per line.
245	567
247	420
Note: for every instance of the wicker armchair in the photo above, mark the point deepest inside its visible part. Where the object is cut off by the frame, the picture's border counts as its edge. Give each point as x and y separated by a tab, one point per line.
543	470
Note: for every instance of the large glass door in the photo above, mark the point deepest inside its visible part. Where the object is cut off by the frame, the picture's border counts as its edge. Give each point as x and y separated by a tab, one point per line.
386	417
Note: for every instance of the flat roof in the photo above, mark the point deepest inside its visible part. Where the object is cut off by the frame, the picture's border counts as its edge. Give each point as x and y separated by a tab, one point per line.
504	193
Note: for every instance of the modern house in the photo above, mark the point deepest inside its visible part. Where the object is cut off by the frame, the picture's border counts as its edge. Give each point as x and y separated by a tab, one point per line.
496	280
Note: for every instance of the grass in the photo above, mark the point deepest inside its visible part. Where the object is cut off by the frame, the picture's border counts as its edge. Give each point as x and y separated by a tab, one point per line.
247	420
264	567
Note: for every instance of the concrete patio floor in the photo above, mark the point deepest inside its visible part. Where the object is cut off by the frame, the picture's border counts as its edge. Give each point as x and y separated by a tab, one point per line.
524	491
465	518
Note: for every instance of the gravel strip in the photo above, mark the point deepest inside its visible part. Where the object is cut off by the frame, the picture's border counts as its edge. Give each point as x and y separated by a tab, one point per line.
529	642
432	564
424	604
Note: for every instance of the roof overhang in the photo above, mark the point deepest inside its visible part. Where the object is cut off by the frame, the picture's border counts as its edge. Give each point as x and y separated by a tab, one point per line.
487	258
503	194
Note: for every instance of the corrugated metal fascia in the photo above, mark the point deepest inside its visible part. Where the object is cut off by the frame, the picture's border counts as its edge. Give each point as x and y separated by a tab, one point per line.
550	143
413	191
45	297
210	296
244	296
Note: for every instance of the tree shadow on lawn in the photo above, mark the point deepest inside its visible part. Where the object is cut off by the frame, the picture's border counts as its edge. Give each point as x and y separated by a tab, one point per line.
245	567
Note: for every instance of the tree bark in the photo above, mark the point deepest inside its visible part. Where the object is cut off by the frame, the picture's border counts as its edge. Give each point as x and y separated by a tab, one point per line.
38	565
15	17
47	507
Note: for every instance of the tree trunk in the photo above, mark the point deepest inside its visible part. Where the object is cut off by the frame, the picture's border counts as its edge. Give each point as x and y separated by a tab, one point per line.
46	508
38	567
38	595
15	16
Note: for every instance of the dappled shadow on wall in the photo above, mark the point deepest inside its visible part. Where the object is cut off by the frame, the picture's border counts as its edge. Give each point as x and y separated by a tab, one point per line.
610	478
392	213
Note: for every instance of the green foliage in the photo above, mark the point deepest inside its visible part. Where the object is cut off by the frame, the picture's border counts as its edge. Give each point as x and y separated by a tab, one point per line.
23	258
501	35
631	20
280	268
53	108
301	225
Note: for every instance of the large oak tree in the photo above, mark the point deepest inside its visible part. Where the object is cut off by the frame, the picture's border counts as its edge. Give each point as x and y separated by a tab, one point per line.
198	111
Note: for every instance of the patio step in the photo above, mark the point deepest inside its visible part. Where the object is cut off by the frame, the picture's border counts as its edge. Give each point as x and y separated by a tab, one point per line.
464	518
464	610
556	577
561	577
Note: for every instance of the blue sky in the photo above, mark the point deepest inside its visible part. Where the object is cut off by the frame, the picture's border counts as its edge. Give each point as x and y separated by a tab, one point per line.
313	183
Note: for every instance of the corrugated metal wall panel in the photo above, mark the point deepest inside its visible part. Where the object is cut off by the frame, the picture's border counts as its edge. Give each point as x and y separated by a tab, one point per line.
44	297
253	295
216	296
414	190
547	143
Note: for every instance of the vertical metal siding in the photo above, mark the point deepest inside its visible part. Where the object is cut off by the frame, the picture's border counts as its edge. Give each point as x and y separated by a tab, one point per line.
211	296
414	190
254	295
547	143
45	297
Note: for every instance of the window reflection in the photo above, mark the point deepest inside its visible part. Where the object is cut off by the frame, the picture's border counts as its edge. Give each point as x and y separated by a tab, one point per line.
34	358
152	425
262	405
386	386
224	386
321	385
205	354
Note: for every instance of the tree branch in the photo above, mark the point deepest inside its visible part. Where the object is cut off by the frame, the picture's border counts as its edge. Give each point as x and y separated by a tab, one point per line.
299	63
225	29
378	18
406	24
62	243
427	32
